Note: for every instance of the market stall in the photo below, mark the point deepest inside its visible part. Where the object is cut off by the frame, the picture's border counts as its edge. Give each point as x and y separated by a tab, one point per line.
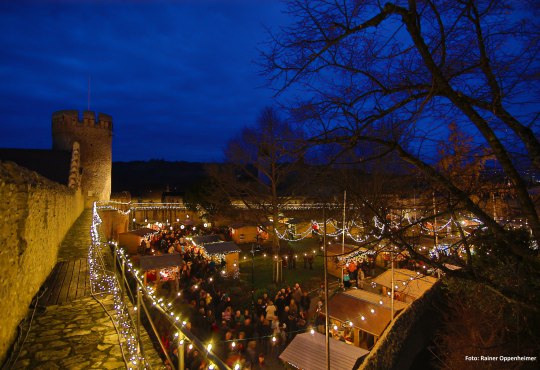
408	285
308	351
212	247
360	317
132	240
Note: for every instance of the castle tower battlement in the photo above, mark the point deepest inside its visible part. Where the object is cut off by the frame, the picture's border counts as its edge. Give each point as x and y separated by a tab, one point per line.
71	118
94	136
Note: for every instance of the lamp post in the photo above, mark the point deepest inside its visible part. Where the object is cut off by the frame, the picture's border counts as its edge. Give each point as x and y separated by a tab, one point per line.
253	281
326	318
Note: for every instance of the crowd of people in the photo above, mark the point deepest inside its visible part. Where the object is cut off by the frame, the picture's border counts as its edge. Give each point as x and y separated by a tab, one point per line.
241	331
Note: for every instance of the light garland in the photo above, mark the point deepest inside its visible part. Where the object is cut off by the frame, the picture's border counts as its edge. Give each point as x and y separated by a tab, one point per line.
103	281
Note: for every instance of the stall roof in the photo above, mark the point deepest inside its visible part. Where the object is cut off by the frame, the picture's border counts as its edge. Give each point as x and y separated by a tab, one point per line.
142	231
238	225
334	249
344	307
204	239
160	261
308	351
407	281
376	299
220	248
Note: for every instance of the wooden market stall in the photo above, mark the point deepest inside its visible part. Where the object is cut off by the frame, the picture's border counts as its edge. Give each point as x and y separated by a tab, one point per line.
339	256
131	240
242	233
161	268
212	247
408	285
308	351
360	317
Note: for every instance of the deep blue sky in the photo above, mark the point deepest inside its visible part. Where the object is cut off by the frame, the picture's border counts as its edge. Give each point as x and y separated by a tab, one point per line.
178	77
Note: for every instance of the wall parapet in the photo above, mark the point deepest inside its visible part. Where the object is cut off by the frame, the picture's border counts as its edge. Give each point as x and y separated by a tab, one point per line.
407	335
35	215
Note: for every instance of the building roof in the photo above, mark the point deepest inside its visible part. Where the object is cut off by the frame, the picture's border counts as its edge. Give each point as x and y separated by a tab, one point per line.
406	281
52	164
308	351
220	248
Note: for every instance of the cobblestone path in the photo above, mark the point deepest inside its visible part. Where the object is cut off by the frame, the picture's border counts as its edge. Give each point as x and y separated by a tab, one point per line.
76	242
77	334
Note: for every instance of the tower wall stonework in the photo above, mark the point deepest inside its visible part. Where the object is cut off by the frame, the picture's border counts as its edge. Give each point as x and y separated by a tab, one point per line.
94	136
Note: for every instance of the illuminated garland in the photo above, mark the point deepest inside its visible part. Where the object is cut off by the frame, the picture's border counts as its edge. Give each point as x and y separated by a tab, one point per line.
105	282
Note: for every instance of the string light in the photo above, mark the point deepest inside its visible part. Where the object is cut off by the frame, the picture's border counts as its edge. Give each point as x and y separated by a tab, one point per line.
104	281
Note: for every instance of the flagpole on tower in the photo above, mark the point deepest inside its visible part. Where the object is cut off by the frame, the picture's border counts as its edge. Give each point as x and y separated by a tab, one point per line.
88	92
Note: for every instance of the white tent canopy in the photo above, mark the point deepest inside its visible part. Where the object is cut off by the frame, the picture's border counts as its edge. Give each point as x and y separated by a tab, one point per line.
308	351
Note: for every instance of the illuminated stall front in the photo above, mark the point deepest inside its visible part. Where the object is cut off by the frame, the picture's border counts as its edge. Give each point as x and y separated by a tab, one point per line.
359	317
131	241
213	248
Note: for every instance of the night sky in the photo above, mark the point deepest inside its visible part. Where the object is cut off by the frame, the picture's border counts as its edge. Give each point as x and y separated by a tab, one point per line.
178	77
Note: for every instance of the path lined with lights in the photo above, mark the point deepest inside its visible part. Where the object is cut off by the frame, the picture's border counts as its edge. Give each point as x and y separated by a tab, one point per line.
78	334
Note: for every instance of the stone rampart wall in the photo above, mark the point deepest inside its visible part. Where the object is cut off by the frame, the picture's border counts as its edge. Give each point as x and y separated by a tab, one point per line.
409	334
35	215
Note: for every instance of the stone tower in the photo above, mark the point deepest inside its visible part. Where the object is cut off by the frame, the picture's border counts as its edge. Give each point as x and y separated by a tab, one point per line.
95	142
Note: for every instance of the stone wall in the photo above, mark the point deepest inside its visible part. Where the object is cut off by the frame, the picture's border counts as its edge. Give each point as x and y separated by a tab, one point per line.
35	215
409	334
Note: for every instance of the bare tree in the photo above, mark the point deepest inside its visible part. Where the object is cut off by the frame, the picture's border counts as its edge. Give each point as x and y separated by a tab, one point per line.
395	75
260	165
410	68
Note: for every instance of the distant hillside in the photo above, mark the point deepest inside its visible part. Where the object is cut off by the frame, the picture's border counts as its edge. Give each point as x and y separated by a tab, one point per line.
157	175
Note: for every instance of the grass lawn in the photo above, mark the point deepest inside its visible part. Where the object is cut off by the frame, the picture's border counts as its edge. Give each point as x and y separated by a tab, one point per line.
262	267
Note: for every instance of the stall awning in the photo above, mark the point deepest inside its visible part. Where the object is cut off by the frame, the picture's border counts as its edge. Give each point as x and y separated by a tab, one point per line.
160	262
308	351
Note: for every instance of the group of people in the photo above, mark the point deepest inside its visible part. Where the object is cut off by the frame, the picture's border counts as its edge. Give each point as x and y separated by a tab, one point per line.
240	332
244	335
